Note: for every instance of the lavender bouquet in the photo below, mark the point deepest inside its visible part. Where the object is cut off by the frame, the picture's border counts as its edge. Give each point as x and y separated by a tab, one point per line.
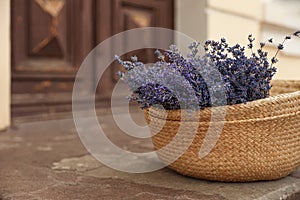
243	78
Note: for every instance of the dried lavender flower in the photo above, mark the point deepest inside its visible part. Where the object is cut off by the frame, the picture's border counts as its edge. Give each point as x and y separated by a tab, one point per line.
280	46
244	78
288	37
270	40
297	33
262	44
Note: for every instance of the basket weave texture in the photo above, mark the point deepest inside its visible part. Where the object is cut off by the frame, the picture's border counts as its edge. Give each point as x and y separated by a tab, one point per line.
260	140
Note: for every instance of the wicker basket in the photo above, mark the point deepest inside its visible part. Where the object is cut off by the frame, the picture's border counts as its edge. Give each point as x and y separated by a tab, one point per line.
260	140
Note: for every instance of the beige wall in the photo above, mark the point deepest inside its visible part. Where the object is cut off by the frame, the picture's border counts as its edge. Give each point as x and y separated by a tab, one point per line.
233	19
4	64
236	19
190	18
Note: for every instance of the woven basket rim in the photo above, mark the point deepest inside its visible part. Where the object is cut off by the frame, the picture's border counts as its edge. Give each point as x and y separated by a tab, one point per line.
238	121
279	105
248	104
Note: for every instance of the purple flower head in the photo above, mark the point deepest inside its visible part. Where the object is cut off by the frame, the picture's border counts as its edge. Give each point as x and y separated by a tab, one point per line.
242	78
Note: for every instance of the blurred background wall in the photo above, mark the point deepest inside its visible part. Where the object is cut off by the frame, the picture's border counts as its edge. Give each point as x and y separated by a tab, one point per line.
4	64
235	19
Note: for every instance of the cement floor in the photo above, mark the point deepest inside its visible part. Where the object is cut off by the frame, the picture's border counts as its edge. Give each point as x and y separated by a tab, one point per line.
46	160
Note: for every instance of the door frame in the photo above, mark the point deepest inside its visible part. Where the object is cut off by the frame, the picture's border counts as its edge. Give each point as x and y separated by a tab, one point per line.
5	51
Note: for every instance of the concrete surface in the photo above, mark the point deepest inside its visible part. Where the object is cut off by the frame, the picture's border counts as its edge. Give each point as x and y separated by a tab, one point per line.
46	160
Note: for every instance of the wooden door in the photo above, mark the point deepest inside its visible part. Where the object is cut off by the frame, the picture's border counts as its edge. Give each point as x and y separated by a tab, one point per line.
50	39
122	15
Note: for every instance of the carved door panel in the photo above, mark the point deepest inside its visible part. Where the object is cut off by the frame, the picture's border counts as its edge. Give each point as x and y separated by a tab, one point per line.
129	14
50	38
